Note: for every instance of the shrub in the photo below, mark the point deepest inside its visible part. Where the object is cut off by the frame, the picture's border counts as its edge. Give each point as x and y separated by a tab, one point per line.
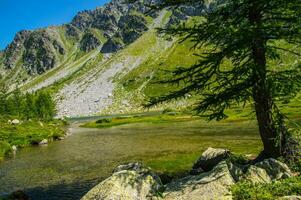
167	110
5	148
270	191
103	121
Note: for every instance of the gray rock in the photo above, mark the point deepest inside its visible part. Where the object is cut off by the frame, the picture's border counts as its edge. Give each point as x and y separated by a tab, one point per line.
257	175
275	169
112	45
236	172
15	122
40	52
72	31
210	158
43	142
89	42
12	53
267	171
128	182
211	185
14	148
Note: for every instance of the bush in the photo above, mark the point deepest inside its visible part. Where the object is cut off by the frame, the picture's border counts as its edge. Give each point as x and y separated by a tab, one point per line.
103	121
167	110
271	191
5	148
238	159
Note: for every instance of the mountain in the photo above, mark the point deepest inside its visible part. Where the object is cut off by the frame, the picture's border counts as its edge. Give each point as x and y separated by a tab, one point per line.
103	61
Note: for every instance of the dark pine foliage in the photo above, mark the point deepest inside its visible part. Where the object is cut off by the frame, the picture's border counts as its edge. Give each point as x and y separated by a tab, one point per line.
38	105
244	33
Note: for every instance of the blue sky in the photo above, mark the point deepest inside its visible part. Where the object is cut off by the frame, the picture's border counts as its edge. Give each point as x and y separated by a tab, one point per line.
16	15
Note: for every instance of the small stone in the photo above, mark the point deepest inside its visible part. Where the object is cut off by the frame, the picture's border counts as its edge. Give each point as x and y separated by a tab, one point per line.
15	122
61	138
43	142
14	148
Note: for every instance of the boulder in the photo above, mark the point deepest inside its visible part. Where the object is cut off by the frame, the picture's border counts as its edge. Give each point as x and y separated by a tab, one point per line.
267	171
235	171
257	175
15	122
43	142
128	182
215	184
210	158
275	169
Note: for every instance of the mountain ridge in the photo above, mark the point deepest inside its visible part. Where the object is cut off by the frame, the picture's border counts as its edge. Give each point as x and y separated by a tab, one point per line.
62	57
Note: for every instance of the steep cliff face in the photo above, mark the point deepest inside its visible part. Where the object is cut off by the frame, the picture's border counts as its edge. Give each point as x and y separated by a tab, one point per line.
14	51
40	51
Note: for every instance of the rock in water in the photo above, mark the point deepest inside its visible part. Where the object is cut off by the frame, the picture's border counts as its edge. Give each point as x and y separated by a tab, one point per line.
210	158
14	148
206	186
128	182
43	142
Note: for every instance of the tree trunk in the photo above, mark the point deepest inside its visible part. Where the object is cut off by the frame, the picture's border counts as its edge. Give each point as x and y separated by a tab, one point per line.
261	92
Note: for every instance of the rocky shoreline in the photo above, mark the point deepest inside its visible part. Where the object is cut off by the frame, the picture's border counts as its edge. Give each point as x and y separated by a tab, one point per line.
212	177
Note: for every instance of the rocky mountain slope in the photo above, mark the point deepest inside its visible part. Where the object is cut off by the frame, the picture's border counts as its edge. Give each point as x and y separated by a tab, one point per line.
85	61
105	60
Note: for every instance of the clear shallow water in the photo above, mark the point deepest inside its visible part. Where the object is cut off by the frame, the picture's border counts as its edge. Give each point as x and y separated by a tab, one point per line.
68	169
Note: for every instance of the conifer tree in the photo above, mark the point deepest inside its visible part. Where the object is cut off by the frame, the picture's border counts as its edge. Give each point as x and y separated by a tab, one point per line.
245	33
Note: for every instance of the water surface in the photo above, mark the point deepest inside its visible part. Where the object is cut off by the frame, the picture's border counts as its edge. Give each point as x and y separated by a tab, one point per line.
68	169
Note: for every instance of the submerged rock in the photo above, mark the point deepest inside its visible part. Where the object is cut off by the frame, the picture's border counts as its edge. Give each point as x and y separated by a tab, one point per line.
210	158
18	195
128	182
210	185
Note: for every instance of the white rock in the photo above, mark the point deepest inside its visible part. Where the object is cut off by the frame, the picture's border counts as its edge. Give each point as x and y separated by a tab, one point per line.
43	142
15	122
14	148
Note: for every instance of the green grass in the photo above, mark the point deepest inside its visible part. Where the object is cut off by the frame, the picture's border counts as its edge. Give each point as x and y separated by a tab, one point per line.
27	133
5	148
271	191
117	121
